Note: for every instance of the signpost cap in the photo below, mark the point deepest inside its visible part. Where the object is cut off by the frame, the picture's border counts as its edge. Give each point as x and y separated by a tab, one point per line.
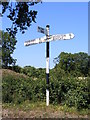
47	26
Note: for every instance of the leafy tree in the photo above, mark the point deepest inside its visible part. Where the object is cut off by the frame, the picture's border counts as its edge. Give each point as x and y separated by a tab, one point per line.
89	65
20	14
77	64
8	47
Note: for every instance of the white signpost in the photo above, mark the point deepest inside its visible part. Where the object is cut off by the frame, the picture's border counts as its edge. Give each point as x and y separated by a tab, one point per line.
48	38
51	38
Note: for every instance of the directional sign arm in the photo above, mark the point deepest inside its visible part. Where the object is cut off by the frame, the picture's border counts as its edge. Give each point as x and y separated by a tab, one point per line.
41	30
63	36
35	41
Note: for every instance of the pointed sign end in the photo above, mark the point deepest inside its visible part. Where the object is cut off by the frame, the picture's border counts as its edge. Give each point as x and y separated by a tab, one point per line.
25	44
72	35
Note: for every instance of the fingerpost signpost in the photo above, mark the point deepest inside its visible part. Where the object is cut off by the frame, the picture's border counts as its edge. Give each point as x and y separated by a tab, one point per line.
48	38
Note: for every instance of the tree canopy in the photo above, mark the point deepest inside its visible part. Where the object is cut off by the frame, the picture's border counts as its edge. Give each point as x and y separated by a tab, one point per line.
20	14
8	47
77	64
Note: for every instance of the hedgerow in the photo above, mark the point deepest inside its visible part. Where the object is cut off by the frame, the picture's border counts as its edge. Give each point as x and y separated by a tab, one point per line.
69	91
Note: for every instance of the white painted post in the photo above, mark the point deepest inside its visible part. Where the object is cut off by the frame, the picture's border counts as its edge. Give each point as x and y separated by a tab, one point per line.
47	66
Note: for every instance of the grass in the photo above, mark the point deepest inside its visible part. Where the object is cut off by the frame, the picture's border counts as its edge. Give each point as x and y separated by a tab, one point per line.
25	106
39	109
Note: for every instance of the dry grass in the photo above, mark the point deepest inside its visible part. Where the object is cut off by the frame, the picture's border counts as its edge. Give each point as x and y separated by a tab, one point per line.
39	110
6	72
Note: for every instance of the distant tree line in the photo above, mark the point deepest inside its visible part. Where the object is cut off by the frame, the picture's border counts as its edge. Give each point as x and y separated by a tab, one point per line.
67	64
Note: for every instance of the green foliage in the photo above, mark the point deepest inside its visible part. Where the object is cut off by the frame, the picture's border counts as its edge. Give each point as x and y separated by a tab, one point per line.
19	89
8	47
66	91
16	68
20	14
77	64
70	91
78	94
33	72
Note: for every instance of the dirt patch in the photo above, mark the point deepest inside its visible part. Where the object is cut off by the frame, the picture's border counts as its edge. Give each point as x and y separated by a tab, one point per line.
37	113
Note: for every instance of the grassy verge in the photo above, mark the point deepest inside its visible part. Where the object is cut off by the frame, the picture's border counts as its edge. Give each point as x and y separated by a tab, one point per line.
40	110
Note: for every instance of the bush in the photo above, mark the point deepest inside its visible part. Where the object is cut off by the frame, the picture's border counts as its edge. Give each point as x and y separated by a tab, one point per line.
77	95
12	89
69	91
18	89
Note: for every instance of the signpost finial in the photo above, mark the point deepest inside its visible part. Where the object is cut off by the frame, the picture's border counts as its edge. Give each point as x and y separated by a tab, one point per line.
47	26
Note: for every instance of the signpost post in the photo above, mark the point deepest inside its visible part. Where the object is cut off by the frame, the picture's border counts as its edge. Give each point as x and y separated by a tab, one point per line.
47	66
48	38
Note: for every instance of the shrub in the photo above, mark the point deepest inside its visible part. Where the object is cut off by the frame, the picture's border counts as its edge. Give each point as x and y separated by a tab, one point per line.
69	91
18	89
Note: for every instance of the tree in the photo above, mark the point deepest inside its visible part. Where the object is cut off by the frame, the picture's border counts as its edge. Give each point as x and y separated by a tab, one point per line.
20	14
8	47
77	64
